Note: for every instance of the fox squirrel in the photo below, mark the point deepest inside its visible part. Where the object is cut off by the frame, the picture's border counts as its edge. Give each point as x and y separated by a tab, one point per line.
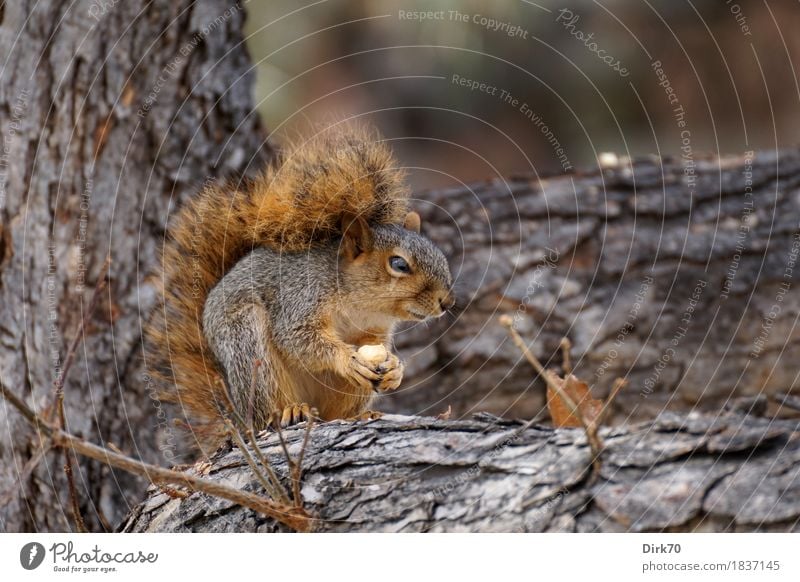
271	288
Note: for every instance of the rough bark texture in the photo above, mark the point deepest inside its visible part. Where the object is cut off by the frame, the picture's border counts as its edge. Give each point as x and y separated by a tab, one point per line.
412	474
109	117
680	274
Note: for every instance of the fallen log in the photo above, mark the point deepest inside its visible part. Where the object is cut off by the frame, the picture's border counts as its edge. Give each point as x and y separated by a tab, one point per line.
692	472
681	279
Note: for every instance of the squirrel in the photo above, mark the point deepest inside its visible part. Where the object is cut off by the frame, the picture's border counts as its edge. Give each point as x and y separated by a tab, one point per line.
273	287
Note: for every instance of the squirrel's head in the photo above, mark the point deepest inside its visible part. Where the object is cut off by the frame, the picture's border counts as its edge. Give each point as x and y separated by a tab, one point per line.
401	273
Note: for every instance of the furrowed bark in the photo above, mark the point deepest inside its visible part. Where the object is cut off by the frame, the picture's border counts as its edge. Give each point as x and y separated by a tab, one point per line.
688	289
111	117
680	281
414	474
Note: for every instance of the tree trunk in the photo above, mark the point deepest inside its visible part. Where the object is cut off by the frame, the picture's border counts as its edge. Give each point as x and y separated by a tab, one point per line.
413	474
110	115
679	274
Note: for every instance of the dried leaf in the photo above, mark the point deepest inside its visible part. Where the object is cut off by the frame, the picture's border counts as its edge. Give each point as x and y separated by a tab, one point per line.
172	492
561	413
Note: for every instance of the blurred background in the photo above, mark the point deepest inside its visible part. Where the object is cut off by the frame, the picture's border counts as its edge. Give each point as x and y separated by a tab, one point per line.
561	83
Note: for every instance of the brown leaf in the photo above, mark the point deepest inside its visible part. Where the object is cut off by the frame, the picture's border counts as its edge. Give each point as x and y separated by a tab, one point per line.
172	492
560	412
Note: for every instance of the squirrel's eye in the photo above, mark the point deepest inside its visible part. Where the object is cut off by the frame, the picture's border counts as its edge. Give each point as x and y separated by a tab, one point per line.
399	264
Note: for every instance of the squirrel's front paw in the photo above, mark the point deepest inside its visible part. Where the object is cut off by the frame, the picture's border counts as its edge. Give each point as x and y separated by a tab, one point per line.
363	370
392	374
375	368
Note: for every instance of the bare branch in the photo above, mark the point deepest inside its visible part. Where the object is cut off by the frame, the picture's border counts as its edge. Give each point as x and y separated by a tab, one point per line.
507	322
618	385
566	347
293	517
296	468
590	427
252	396
13	491
73	492
289	460
230	414
274	492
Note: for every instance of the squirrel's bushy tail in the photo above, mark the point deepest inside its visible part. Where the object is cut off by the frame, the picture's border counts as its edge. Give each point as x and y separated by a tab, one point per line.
298	202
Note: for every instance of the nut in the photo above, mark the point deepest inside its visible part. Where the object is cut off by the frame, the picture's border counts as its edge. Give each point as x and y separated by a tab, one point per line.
374	354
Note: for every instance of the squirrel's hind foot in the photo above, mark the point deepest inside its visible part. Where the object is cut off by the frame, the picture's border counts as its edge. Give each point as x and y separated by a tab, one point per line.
295	414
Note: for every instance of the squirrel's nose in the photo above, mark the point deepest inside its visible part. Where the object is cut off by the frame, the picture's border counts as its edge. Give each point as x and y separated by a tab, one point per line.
447	302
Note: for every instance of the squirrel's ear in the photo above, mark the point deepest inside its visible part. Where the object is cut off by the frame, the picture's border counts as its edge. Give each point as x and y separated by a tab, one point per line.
412	222
357	236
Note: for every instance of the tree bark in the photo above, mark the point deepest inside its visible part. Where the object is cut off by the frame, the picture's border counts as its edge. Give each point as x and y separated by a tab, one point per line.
679	274
110	115
413	474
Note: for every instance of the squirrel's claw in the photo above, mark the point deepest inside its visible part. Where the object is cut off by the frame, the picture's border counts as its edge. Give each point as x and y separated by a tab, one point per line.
363	372
391	380
380	377
295	414
392	375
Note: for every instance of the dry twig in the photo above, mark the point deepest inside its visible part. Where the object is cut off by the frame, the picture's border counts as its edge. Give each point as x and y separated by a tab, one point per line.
275	491
251	398
23	475
57	402
295	466
507	322
293	517
566	347
591	426
236	428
